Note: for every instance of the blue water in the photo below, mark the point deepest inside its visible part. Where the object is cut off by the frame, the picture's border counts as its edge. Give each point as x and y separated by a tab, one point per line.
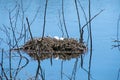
105	60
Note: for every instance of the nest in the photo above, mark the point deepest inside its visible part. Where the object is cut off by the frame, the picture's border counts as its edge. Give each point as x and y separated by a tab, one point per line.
47	47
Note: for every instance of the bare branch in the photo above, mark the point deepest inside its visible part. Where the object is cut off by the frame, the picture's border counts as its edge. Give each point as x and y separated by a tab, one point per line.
90	30
29	28
91	19
60	26
35	16
64	19
76	6
44	24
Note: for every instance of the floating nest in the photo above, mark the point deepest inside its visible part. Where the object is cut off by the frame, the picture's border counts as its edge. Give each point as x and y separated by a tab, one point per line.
47	47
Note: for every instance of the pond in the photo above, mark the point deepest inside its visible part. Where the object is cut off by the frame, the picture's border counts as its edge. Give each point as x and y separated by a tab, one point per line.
105	62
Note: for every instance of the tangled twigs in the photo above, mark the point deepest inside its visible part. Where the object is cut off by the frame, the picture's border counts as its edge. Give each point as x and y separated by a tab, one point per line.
64	49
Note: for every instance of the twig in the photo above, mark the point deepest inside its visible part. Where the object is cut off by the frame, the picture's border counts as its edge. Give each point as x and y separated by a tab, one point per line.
29	28
91	19
82	31
25	33
10	63
61	70
35	16
67	76
42	74
64	18
16	42
22	20
118	74
81	61
76	6
20	68
44	24
60	26
2	63
4	71
74	70
37	72
90	59
118	25
51	59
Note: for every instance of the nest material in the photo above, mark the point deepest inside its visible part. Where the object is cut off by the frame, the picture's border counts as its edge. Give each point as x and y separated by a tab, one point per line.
47	47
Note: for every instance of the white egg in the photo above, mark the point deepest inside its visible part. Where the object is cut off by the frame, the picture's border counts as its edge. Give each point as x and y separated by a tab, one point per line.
57	58
56	37
61	38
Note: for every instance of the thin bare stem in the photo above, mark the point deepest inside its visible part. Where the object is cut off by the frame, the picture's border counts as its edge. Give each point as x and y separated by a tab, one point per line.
51	61
10	64
74	70
24	33
61	69
22	20
16	73
118	77
90	59
81	61
10	56
78	15
29	28
5	75
91	19
67	76
39	66
35	16
44	24
37	72
60	26
2	63
118	25
86	22
64	19
20	68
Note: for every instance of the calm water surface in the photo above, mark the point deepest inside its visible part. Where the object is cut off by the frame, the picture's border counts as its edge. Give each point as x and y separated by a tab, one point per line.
105	60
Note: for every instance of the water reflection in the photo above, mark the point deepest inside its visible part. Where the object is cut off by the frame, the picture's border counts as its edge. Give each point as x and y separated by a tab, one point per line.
14	33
